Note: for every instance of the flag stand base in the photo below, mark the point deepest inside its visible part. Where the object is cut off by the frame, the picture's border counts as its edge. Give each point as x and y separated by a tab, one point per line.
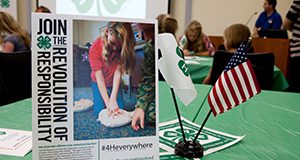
189	149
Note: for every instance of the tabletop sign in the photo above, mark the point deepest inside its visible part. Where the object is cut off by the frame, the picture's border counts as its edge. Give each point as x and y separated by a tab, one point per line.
82	108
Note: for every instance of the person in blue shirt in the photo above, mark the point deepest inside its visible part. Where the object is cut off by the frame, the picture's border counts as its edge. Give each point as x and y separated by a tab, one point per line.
269	18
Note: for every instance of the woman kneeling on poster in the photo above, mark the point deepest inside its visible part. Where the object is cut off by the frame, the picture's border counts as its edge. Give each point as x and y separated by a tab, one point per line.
110	56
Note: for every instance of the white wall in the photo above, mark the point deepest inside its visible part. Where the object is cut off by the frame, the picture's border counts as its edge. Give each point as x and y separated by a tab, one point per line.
86	31
177	10
216	15
24	13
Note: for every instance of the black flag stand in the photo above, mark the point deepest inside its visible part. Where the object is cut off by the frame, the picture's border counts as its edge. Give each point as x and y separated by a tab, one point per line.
189	149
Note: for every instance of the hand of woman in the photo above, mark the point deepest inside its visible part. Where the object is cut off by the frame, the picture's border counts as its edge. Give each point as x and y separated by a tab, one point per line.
113	108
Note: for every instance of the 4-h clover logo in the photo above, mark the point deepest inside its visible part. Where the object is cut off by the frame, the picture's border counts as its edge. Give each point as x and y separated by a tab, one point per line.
5	3
111	6
189	135
44	42
181	64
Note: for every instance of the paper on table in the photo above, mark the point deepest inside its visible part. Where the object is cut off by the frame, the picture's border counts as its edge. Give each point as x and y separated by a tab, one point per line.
196	58
211	140
15	142
192	62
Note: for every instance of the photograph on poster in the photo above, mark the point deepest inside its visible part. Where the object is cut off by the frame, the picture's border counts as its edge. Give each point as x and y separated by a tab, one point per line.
114	79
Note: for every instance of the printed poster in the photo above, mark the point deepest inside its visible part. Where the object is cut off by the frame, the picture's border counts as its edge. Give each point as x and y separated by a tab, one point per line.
94	88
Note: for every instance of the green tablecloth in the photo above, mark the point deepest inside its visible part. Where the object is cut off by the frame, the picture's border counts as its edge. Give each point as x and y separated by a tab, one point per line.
199	68
269	121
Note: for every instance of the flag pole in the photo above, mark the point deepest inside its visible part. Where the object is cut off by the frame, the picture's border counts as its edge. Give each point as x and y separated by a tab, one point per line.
202	103
206	118
178	114
202	125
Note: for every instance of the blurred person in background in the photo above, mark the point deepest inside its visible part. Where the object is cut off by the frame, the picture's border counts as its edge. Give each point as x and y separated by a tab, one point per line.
234	36
194	42
13	37
269	18
292	23
42	9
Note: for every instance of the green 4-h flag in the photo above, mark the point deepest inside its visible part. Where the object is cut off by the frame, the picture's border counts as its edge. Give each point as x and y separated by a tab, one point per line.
173	68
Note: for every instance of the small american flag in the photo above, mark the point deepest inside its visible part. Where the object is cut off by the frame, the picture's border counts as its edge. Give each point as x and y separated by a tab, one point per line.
236	84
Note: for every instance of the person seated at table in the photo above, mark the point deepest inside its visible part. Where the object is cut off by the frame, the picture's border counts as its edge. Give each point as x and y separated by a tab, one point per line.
167	24
42	9
195	42
234	35
13	37
269	18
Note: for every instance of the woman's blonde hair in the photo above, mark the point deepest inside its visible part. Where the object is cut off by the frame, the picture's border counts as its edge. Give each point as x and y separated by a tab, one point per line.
198	44
235	35
8	25
123	32
166	24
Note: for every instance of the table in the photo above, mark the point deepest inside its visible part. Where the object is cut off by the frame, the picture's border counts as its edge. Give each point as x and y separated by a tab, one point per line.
270	122
199	68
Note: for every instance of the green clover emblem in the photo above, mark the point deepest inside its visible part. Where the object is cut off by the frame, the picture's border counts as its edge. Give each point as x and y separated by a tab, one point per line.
182	66
113	7
2	133
83	6
179	52
5	3
189	135
44	42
